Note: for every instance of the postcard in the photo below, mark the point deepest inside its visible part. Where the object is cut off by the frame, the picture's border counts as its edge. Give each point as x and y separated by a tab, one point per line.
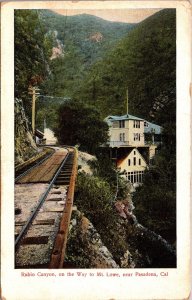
95	150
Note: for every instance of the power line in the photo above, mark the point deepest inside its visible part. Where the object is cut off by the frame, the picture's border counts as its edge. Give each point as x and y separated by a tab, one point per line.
47	96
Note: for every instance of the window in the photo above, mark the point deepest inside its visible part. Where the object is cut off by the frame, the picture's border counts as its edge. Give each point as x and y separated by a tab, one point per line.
122	124
129	162
136	124
115	124
135	177
146	124
136	136
122	137
139	161
134	161
134	152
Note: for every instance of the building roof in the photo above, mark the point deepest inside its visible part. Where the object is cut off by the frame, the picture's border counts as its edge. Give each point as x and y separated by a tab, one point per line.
39	133
126	155
152	128
122	118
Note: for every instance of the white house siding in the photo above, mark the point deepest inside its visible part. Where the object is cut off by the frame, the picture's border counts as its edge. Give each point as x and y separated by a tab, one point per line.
130	135
125	136
133	172
115	132
132	130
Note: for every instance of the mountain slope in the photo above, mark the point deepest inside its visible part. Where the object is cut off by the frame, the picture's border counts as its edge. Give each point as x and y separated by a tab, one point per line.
83	40
91	36
145	62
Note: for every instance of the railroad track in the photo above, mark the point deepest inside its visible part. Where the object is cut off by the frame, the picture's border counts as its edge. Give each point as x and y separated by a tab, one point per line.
25	168
43	212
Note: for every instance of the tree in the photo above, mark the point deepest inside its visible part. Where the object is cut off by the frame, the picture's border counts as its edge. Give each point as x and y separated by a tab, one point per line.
155	200
81	124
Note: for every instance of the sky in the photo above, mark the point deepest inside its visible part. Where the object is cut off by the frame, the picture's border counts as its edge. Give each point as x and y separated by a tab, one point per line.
117	15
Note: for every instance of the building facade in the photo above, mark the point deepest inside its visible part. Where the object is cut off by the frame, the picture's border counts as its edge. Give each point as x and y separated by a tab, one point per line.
132	166
135	141
125	131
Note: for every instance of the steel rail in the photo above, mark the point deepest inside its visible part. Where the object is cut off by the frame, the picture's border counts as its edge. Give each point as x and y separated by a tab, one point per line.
37	164
58	252
41	201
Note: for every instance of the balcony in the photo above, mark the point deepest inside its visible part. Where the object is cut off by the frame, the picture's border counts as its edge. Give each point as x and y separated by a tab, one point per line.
156	143
117	143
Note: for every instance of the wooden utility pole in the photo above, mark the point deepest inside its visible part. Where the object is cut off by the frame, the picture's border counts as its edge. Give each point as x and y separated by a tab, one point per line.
34	92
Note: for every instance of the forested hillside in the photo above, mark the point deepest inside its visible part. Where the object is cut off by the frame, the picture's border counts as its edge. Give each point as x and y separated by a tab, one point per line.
55	53
99	60
144	61
89	36
99	72
81	40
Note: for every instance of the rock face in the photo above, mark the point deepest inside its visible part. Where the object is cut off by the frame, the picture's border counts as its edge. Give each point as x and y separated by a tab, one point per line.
25	146
83	162
145	248
85	248
96	37
58	50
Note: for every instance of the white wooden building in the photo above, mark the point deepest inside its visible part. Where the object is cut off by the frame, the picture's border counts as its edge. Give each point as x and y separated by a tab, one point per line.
132	166
129	135
128	130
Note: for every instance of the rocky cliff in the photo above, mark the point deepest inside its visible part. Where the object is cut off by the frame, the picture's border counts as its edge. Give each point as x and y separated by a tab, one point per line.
145	249
25	146
85	247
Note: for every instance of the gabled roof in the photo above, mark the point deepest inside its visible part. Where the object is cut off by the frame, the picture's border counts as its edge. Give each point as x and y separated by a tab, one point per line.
121	160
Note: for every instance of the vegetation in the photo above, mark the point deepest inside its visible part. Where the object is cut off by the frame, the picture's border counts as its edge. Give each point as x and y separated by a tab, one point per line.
97	72
138	62
94	197
88	36
32	50
81	124
84	39
105	169
155	200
